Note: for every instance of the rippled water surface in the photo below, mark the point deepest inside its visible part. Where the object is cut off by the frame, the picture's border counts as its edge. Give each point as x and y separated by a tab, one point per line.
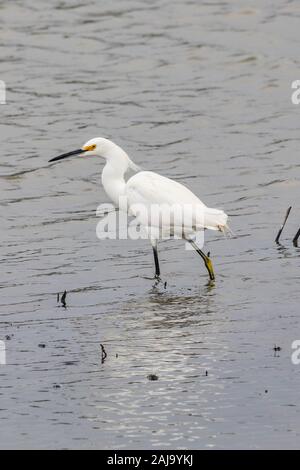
200	92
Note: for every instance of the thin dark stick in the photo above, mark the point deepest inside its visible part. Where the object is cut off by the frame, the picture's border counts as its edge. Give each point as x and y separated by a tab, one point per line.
282	226
295	239
63	299
103	353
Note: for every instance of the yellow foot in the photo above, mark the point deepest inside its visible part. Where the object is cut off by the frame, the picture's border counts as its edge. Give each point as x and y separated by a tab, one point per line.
209	267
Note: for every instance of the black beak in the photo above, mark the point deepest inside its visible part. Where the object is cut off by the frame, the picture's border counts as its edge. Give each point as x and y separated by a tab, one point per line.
66	155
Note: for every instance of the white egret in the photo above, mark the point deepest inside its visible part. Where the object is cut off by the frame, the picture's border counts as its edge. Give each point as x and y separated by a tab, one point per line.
148	188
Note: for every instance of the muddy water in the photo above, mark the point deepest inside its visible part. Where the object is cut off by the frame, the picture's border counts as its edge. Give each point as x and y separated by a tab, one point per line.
200	92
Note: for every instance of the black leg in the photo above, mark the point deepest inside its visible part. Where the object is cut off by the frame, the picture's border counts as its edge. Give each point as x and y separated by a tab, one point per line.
157	270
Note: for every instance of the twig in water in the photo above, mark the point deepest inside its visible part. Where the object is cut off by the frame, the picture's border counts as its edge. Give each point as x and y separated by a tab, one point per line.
276	350
282	226
295	239
103	353
63	299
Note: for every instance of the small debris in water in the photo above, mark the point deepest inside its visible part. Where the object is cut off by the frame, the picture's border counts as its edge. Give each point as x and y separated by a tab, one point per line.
152	377
63	299
8	337
276	350
266	391
165	285
41	345
295	239
282	226
103	353
117	355
57	386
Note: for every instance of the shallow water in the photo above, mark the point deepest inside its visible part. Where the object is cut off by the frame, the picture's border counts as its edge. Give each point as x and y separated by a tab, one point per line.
200	93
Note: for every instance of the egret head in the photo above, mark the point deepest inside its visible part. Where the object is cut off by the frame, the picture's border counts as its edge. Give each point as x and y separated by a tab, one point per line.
99	147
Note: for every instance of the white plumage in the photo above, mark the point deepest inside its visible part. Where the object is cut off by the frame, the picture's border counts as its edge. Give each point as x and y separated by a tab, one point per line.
147	187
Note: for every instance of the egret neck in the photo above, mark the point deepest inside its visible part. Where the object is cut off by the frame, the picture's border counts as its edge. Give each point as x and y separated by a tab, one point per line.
117	163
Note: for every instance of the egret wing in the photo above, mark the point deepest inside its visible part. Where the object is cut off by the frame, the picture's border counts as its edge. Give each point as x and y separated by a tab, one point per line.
147	188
